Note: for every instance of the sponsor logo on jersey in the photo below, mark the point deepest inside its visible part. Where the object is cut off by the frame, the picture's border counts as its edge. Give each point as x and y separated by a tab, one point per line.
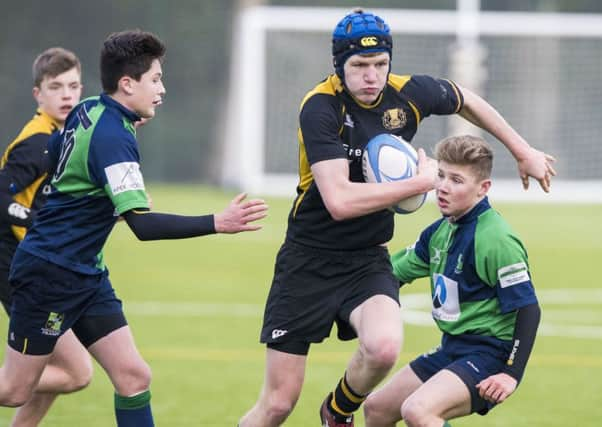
277	333
510	360
348	121
124	176
369	41
394	118
353	154
446	301
53	324
514	274
19	211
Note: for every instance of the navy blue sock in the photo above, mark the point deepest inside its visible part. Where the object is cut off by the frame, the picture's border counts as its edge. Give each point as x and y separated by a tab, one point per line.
134	411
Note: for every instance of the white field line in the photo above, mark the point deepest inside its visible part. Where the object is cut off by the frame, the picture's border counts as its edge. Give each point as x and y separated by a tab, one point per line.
415	311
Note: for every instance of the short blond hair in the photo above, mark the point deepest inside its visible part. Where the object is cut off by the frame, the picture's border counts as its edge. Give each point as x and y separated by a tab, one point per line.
52	62
467	150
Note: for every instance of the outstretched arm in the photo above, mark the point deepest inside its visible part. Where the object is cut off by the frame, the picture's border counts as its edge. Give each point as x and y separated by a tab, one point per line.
238	216
531	162
498	387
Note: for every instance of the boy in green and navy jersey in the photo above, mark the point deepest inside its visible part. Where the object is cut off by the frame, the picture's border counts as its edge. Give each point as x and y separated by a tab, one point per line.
482	295
58	274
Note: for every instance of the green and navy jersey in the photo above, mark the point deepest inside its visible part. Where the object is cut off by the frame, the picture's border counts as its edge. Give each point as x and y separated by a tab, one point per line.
478	270
334	125
24	169
96	178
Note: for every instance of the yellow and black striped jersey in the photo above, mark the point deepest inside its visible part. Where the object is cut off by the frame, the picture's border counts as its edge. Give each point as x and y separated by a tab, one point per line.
24	169
333	125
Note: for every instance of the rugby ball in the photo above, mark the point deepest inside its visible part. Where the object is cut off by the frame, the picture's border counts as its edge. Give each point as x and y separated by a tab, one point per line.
389	158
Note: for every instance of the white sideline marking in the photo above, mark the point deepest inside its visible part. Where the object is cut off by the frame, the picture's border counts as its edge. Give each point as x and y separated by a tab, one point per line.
587	323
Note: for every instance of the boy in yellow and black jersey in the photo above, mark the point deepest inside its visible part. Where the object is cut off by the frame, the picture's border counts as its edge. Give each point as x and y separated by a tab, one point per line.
334	266
344	127
24	164
24	185
24	178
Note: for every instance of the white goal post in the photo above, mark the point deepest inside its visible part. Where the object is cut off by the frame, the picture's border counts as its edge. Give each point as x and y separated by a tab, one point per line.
540	70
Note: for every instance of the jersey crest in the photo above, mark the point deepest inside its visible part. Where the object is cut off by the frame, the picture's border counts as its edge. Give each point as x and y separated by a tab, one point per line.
436	257
395	118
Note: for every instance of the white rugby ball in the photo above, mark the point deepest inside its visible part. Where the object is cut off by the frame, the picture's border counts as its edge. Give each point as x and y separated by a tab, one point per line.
389	158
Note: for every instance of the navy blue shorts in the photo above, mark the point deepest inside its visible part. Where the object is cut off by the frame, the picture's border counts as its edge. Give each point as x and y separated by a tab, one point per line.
47	300
471	361
314	288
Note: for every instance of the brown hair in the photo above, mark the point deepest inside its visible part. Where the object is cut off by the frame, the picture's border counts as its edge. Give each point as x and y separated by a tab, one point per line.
52	62
467	150
128	53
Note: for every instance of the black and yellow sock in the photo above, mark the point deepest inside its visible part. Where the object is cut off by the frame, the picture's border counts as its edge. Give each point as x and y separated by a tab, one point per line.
344	400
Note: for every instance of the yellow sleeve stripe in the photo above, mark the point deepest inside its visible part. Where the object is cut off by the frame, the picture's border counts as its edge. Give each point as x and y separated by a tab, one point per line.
26	198
416	112
24	346
458	96
343	111
330	86
305	175
41	123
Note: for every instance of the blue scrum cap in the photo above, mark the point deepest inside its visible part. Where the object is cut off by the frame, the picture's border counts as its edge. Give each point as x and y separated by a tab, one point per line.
359	32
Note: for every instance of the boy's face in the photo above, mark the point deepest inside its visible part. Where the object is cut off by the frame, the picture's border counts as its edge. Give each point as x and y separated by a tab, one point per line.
56	96
366	75
458	189
145	95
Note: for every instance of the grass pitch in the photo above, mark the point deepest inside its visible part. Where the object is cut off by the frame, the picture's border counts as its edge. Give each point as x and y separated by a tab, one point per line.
196	306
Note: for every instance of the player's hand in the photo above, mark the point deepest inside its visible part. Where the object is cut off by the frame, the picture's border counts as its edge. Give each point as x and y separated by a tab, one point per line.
497	388
428	168
239	215
537	164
